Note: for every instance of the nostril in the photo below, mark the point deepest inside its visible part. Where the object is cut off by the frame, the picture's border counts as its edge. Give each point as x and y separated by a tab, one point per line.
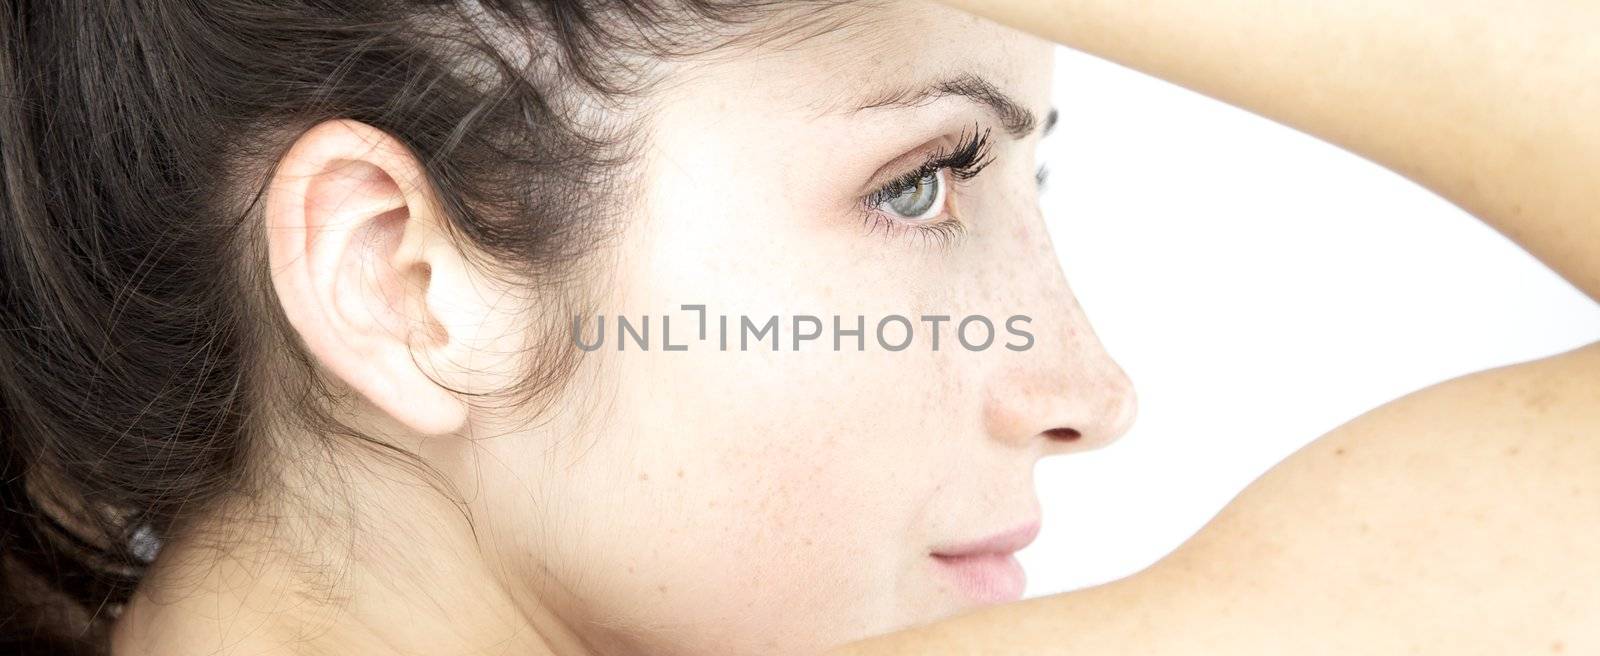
1062	434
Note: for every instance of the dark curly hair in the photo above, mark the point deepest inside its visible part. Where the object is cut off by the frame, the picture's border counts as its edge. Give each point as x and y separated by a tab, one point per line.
143	350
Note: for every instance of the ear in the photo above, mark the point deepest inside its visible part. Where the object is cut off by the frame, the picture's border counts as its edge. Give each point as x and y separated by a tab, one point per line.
357	247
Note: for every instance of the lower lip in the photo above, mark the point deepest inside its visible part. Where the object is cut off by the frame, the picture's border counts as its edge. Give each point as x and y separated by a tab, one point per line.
992	578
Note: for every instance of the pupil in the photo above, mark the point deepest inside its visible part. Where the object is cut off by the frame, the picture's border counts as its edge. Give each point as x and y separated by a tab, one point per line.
919	199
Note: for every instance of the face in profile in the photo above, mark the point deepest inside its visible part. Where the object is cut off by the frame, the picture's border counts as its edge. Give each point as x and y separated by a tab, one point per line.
811	365
735	498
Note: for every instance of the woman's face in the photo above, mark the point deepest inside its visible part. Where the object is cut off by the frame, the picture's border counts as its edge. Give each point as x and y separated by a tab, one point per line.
719	500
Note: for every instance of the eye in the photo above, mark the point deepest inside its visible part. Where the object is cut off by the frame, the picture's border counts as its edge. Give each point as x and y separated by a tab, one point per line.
919	200
922	200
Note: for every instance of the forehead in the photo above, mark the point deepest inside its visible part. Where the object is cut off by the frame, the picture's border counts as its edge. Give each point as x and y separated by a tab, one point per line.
844	56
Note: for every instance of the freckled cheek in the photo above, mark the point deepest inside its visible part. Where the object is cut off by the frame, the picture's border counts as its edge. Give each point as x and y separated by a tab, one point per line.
859	434
807	479
776	501
782	419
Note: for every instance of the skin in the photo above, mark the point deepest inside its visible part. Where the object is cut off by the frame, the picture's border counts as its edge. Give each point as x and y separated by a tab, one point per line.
700	502
1459	519
760	502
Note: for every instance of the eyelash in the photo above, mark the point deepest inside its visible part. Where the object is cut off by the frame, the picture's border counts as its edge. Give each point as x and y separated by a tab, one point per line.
963	162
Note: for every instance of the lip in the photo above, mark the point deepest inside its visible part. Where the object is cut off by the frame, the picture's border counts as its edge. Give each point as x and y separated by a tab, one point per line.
985	578
1005	542
986	570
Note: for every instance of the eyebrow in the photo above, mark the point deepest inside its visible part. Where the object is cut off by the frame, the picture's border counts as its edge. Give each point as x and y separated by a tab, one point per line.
1016	118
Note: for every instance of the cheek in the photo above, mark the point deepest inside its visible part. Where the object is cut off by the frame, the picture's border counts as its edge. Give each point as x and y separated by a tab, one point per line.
768	491
762	494
796	455
765	497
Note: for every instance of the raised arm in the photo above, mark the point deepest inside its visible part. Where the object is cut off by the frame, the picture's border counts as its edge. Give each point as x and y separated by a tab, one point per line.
1459	520
1492	105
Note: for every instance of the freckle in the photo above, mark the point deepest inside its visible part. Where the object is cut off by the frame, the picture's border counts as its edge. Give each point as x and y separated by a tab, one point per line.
1513	450
661	589
643	476
680	472
1339	451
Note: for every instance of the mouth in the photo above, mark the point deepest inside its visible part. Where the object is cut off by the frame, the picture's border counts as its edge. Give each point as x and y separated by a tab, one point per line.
987	569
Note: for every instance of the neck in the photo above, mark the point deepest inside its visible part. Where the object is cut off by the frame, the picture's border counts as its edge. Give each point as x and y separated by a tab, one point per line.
395	570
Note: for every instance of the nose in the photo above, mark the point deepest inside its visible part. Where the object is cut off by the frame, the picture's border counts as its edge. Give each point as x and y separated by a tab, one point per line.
1065	394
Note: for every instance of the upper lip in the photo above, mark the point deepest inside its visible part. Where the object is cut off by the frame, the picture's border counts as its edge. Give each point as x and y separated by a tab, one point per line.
1005	542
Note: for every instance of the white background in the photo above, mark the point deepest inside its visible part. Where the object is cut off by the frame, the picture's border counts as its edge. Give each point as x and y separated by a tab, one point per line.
1260	287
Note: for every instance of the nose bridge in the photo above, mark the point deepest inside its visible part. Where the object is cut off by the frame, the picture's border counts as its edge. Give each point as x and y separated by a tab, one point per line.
1064	393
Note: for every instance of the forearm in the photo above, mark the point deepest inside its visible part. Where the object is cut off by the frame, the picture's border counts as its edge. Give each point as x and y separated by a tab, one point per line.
1459	519
1493	106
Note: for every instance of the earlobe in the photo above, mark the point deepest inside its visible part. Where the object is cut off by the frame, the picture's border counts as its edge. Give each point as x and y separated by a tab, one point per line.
353	239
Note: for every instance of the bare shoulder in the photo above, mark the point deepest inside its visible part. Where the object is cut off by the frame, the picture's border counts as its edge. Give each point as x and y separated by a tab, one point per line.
1463	518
